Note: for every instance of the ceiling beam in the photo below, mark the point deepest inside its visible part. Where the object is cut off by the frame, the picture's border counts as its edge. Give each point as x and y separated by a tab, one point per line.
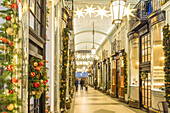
90	30
86	42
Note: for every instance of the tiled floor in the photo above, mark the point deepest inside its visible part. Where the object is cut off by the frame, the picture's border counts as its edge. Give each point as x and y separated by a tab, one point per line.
94	101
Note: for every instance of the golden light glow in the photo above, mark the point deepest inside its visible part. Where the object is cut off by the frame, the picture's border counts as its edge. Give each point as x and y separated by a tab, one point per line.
101	12
79	12
128	12
89	10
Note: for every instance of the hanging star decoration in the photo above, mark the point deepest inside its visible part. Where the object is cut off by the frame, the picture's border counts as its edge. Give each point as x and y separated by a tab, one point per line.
102	12
128	12
79	12
89	10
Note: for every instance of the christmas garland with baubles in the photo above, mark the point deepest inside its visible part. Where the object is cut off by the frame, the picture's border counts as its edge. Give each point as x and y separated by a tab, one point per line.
37	78
70	70
10	101
166	44
64	69
125	72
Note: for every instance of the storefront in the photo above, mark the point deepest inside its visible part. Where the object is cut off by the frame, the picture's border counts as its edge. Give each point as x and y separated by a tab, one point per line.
146	65
118	76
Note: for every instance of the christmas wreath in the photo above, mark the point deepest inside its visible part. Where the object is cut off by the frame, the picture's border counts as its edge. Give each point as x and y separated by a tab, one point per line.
166	44
37	77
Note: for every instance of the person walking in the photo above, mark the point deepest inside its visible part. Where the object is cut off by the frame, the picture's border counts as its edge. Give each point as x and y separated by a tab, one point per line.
76	84
82	84
86	84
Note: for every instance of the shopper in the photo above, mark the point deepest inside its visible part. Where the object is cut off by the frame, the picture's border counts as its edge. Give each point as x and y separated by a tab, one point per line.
82	84
76	84
86	84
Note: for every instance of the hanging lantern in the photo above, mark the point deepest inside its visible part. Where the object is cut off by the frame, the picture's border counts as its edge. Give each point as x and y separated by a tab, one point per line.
93	50
117	9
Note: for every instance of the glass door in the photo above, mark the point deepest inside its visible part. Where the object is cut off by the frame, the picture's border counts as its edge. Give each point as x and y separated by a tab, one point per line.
146	91
145	76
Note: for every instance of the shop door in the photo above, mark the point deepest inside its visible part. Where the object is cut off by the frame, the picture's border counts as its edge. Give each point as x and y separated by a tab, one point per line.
146	91
145	79
118	88
114	76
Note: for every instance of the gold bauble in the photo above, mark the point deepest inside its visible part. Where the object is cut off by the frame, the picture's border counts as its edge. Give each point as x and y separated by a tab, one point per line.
12	20
7	91
41	81
35	64
33	92
10	107
10	31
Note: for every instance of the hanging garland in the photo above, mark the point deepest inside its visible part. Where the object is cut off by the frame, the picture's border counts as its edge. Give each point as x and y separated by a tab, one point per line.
166	44
73	76
37	78
70	71
10	101
64	69
109	85
125	72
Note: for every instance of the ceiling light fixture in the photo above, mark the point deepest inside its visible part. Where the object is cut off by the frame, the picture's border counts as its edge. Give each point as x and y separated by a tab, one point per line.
117	9
78	56
83	57
102	12
79	12
88	56
89	10
97	58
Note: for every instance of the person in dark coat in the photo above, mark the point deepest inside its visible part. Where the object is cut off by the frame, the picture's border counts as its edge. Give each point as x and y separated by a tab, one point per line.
76	84
82	84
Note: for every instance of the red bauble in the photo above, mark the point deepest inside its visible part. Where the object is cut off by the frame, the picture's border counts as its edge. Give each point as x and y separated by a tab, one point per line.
36	84
40	64
14	80
14	6
45	81
4	112
5	40
10	67
11	43
8	18
11	91
32	74
37	68
46	110
38	75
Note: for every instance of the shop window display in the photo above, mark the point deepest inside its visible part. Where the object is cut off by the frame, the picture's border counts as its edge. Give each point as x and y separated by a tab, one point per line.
158	58
134	62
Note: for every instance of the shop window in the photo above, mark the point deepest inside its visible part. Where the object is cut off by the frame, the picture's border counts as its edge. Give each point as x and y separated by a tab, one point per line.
35	15
134	61
145	48
158	58
156	4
